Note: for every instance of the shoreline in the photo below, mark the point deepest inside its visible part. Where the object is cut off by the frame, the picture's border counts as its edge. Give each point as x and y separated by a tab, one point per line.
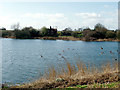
72	78
68	38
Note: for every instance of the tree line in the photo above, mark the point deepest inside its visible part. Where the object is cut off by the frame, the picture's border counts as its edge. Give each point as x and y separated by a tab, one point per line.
87	34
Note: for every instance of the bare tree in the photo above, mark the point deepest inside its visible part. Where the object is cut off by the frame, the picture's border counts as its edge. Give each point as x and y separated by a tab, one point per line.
15	26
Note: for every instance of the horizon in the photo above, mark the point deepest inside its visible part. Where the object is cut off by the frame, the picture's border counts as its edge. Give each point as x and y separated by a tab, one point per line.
59	14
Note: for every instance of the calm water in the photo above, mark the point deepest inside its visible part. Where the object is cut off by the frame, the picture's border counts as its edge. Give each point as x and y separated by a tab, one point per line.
24	60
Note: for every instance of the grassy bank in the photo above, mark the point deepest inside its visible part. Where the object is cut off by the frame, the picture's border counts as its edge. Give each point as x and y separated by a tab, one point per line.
97	85
78	76
71	38
68	38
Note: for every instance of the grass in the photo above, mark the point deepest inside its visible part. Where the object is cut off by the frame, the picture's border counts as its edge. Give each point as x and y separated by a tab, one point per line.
97	85
79	76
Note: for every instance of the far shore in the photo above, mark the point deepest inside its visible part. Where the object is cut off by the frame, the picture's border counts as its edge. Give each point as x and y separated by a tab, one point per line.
68	38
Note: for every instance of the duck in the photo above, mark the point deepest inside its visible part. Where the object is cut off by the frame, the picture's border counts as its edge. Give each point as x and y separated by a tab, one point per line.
115	59
68	48
110	51
59	54
101	47
102	52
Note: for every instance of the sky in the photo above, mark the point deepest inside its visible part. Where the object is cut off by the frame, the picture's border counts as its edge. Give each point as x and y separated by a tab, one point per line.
59	15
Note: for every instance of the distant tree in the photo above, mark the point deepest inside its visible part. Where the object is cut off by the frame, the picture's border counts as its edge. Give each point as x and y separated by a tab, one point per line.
22	34
6	33
77	34
118	34
44	31
67	32
96	34
48	31
79	29
86	31
59	33
2	28
99	26
15	26
33	32
68	29
90	35
101	29
110	34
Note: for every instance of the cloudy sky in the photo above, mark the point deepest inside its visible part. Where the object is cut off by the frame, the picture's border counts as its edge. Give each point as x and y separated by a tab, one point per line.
59	14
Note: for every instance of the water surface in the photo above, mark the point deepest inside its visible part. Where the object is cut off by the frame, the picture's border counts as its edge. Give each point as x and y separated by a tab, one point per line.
24	60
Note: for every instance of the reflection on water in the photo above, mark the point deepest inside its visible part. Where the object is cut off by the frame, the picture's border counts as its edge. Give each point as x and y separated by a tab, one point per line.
24	60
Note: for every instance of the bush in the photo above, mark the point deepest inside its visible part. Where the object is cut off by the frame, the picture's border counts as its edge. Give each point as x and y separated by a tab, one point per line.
66	32
44	31
2	28
77	34
7	33
48	32
33	32
110	34
22	34
101	30
59	33
118	34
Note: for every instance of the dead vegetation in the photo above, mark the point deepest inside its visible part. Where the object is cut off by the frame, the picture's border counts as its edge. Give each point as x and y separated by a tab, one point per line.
72	75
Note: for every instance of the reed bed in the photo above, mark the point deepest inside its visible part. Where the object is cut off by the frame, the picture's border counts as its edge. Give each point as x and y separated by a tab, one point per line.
72	75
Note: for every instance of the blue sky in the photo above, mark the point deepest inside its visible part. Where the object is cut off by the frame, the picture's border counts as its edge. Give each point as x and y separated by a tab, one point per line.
59	14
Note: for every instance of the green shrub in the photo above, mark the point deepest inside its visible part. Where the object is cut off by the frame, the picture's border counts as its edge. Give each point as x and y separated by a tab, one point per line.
22	34
6	33
118	34
110	34
77	34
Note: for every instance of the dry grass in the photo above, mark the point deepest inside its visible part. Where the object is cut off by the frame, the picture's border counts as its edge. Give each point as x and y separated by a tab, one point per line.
72	75
97	85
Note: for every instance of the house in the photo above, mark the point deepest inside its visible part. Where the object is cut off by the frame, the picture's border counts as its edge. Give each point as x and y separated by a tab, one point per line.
52	31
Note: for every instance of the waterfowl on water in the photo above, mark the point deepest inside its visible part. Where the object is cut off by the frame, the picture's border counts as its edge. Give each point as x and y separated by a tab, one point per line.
59	54
41	56
63	57
101	47
115	59
117	50
110	51
102	52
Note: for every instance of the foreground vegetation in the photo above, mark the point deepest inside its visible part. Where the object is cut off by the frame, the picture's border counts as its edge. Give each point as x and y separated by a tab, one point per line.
77	76
97	85
99	32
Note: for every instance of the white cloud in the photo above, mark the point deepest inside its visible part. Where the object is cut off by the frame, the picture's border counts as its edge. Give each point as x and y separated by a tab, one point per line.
88	15
61	20
109	19
106	6
36	20
45	19
88	19
43	15
7	21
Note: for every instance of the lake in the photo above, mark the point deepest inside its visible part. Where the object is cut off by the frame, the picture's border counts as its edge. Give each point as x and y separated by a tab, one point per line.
24	59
